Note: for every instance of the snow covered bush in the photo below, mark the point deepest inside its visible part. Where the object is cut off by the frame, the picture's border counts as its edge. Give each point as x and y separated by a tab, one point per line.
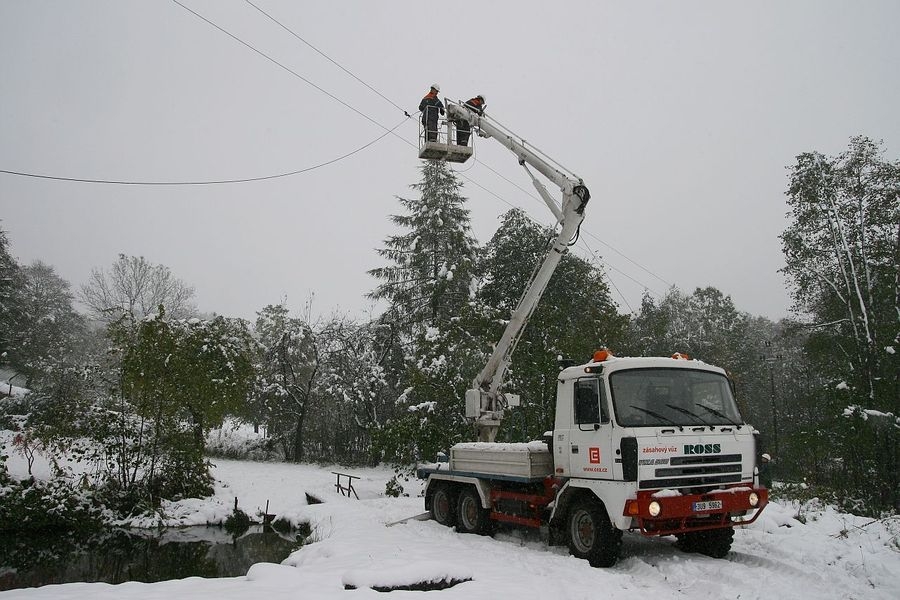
56	505
237	440
394	489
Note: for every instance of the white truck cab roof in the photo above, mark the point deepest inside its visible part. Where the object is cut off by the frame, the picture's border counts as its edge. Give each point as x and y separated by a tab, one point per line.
615	363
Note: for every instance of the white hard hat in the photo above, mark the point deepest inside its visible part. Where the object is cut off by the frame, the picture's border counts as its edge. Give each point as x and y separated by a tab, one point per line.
483	99
435	87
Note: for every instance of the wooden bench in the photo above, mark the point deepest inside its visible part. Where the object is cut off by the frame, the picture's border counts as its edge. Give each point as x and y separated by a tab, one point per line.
345	490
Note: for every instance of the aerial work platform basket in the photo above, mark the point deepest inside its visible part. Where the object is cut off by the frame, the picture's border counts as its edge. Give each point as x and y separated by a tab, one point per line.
443	143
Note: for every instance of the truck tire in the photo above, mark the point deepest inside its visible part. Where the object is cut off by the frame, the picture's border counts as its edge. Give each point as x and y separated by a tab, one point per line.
591	535
443	505
471	516
715	543
689	542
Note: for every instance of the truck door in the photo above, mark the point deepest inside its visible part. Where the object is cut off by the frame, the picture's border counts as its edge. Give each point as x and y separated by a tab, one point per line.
590	432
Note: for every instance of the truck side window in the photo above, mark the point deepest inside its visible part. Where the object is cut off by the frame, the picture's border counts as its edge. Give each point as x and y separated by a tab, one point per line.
587	401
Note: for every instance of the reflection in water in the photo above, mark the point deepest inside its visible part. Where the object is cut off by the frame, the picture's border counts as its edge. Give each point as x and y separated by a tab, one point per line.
137	555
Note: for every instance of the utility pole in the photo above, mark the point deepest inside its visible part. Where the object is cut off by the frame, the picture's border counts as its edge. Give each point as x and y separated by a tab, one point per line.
770	361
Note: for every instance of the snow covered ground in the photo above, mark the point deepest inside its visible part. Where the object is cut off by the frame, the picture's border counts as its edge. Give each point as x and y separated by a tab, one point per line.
831	556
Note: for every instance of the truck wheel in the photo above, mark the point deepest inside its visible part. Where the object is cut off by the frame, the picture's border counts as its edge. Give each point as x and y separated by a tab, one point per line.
443	505
690	542
472	517
591	535
717	542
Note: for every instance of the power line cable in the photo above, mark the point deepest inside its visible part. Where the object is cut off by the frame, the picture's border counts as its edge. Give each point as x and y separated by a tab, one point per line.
629	259
596	263
297	36
633	280
334	62
508	180
283	66
603	263
248	179
295	74
292	72
330	95
214	182
621	295
612	282
595	258
529	193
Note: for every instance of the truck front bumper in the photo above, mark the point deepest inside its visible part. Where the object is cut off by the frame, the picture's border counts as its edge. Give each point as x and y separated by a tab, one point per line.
665	512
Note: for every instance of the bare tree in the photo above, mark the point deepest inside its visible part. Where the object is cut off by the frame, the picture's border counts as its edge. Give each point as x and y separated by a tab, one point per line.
136	288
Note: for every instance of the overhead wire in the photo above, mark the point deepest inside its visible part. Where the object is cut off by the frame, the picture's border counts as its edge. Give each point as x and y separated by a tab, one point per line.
291	71
211	182
283	66
328	58
582	230
629	259
388	131
595	260
529	193
621	295
296	74
594	256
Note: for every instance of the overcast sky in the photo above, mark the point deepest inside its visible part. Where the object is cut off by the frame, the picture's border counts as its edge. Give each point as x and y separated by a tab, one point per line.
680	117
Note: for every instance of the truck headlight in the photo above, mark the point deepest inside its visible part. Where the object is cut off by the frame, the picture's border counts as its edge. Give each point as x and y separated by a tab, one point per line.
654	508
754	498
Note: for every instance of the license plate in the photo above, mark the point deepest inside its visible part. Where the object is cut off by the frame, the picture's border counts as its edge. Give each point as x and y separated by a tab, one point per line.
705	506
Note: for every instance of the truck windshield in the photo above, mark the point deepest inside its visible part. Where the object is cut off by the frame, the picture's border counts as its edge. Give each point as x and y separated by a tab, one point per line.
665	397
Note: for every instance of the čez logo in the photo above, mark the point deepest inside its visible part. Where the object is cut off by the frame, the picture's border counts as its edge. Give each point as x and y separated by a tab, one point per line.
702	448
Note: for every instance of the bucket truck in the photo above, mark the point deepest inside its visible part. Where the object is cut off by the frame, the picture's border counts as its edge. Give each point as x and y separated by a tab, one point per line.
653	445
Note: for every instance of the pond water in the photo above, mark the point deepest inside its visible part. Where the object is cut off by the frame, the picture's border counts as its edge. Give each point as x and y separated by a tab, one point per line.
137	555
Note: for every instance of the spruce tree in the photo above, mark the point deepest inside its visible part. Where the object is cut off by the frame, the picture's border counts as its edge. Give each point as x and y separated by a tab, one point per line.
432	260
428	285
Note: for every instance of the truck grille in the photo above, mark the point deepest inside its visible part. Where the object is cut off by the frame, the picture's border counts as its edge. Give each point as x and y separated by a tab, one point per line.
693	471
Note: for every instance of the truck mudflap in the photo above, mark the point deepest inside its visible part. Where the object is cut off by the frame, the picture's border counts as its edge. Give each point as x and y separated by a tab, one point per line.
668	512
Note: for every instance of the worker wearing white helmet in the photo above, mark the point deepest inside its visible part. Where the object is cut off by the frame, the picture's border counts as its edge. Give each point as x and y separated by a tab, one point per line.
463	129
429	107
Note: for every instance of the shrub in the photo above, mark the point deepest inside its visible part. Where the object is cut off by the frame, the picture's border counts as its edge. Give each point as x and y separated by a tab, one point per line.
55	505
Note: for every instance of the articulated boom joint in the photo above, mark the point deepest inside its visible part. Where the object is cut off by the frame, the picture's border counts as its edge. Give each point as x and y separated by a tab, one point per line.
584	195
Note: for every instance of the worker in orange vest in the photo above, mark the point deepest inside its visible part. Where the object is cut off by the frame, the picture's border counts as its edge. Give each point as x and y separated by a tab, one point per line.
429	107
463	129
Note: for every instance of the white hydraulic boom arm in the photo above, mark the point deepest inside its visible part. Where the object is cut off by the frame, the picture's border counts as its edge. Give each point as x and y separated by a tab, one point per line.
484	402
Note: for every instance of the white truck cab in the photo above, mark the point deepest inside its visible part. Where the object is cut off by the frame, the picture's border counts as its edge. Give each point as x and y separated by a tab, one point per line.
630	428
